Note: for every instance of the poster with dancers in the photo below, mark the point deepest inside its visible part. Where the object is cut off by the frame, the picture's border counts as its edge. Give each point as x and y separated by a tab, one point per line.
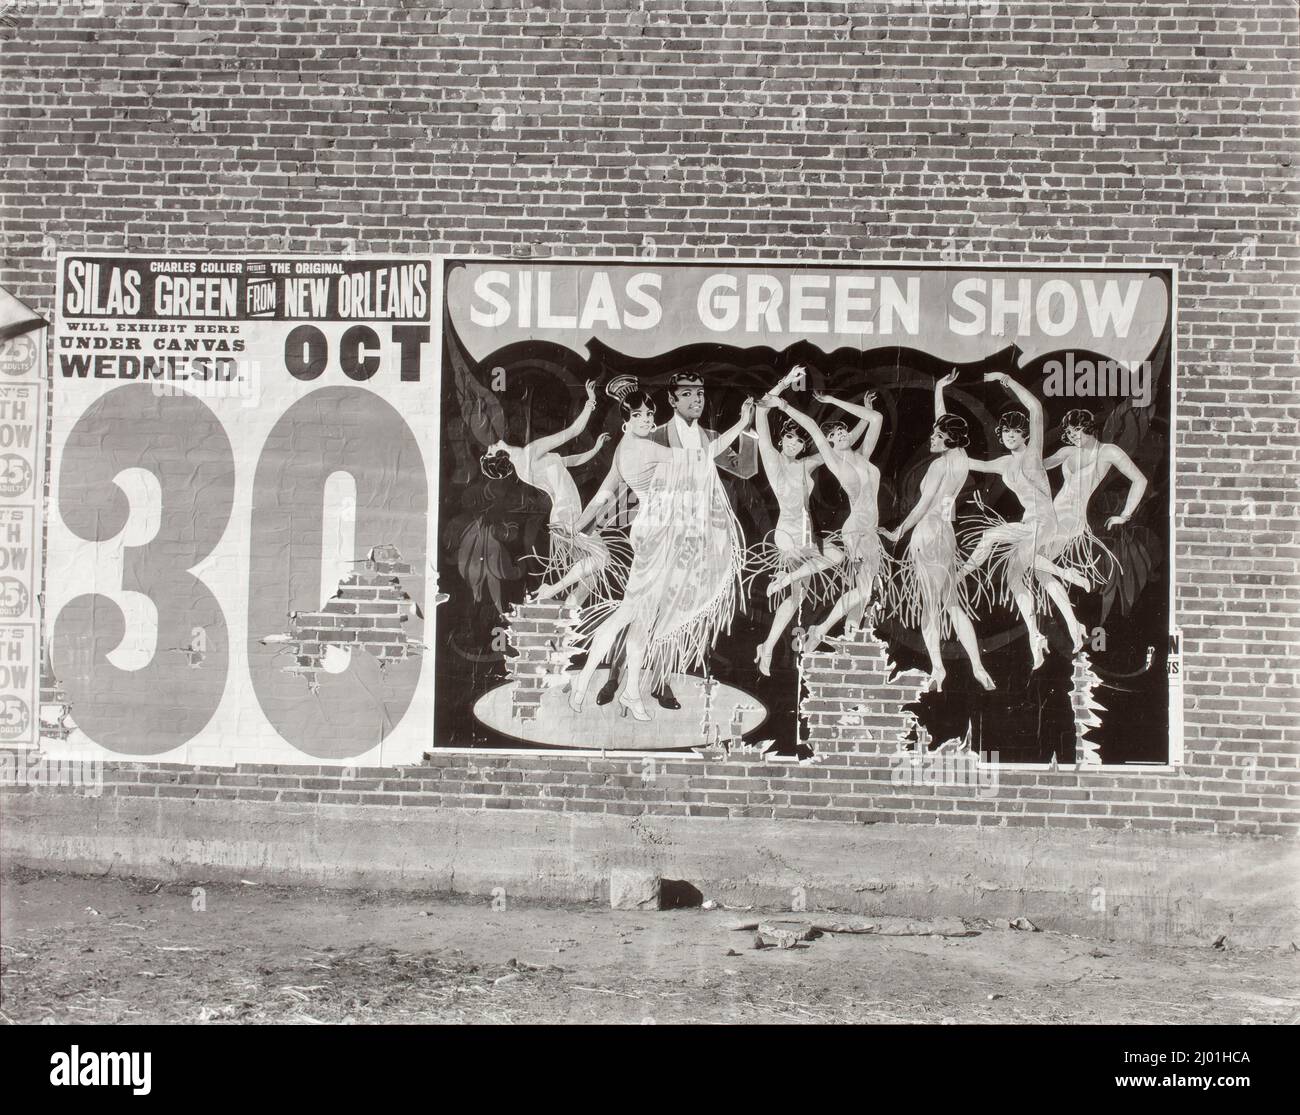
672	492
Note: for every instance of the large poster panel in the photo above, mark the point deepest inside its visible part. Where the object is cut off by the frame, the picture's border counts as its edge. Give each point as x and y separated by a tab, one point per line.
789	508
240	507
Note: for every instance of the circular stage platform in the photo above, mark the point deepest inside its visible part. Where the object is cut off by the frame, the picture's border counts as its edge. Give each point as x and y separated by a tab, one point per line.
728	712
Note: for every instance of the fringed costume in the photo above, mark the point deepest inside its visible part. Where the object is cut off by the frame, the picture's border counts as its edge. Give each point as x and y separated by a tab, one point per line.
687	564
1015	546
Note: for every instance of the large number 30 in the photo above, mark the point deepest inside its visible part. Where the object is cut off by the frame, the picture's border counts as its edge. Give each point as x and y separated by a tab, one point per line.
169	698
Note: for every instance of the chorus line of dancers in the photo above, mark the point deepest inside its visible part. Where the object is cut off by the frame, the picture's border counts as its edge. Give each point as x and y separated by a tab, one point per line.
655	598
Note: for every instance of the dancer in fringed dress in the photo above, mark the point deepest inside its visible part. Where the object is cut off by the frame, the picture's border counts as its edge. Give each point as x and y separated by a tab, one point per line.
578	562
687	557
788	555
1084	462
855	547
1017	552
931	593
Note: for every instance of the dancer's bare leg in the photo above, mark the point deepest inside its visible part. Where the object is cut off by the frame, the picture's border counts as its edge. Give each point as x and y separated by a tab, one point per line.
803	572
930	634
1059	597
1025	604
857	598
856	602
784	614
965	630
577	595
630	697
582	572
1045	565
600	645
979	555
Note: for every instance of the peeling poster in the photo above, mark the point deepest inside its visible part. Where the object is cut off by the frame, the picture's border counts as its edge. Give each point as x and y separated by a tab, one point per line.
240	507
808	509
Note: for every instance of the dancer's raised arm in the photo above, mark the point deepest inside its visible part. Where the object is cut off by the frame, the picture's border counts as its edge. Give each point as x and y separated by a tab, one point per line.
940	408
793	376
723	441
767	452
551	442
1031	404
825	450
1137	486
871	419
577	460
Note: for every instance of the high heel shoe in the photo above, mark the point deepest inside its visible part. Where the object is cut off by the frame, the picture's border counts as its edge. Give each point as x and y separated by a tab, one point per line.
982	676
633	705
1037	649
935	684
763	660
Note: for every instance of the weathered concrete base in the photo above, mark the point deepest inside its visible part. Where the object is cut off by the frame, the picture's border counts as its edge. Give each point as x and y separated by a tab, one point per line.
1123	885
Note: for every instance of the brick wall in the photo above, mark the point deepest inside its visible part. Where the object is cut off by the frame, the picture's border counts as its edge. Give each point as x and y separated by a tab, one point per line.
536	635
1007	132
856	789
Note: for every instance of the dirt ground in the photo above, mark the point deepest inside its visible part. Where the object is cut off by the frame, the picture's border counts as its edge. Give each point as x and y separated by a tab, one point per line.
79	949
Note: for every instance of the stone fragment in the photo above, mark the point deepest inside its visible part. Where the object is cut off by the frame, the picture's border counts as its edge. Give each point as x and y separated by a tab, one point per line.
634	888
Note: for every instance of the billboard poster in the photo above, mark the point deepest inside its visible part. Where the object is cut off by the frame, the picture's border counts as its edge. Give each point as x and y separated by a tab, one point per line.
22	480
240	511
792	508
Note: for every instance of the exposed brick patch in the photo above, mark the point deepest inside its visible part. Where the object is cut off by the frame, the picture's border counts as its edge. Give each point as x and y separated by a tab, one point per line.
366	613
1083	683
537	634
852	706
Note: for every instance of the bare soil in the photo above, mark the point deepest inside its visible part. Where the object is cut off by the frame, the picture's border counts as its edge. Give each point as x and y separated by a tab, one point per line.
79	949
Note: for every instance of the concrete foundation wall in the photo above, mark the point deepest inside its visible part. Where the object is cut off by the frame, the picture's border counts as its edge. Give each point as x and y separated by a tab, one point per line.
1153	887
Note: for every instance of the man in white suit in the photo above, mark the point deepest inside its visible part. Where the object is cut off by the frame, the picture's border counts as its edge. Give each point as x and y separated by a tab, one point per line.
685	431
